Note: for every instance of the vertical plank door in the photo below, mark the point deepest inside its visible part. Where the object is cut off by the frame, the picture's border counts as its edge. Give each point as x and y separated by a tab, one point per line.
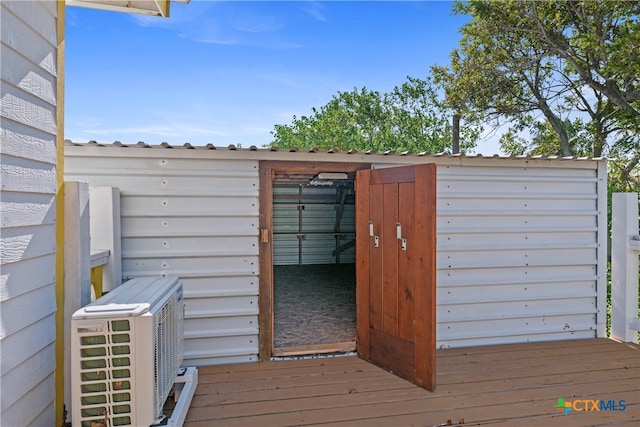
396	270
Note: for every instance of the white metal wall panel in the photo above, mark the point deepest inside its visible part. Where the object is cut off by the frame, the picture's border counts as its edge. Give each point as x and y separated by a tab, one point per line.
198	220
517	254
521	242
28	48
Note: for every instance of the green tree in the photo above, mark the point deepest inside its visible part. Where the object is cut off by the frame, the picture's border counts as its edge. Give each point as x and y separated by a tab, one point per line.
574	64
542	139
409	118
351	120
419	121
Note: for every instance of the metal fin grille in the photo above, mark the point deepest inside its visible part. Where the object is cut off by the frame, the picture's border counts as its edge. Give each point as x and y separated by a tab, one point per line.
105	377
166	357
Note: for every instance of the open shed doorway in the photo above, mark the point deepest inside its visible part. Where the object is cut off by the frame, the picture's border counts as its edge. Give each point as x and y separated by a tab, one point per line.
307	258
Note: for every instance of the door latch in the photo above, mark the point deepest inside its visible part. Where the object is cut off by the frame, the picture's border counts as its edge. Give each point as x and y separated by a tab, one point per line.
376	240
403	241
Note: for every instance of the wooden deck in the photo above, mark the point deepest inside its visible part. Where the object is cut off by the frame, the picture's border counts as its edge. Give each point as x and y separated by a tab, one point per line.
510	385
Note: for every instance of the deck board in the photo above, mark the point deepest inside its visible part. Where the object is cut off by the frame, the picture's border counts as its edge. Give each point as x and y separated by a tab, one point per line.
497	385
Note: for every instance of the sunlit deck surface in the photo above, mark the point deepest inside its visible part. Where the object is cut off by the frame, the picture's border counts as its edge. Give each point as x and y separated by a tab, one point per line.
510	385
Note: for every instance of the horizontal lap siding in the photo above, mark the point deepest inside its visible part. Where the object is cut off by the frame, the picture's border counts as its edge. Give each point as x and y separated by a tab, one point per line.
27	201
198	220
517	254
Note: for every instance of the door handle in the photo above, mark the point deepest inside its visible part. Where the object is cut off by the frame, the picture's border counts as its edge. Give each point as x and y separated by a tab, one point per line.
376	239
403	241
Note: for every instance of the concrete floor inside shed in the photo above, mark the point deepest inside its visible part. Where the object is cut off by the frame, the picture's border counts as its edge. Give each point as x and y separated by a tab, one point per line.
314	304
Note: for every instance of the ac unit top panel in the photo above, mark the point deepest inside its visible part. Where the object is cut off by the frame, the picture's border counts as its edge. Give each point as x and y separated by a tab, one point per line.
113	309
133	298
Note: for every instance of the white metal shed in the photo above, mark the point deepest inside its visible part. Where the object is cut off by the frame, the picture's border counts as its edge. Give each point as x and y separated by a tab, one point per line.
520	255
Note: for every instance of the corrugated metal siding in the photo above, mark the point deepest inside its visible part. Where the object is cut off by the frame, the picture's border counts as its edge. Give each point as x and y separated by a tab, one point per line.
196	219
304	229
517	254
27	201
521	242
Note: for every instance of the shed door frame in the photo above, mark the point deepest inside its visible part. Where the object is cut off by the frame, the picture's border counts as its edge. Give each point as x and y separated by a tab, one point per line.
268	169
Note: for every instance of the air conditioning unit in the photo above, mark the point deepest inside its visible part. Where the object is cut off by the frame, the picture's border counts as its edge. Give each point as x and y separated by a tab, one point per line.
126	352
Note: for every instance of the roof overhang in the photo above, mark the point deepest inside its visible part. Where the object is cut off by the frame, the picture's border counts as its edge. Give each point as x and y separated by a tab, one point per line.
145	7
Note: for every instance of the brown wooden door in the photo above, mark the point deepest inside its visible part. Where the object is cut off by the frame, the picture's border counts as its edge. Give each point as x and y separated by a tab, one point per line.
396	270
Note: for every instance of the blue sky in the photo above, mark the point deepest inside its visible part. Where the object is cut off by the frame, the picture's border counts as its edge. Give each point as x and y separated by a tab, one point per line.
227	72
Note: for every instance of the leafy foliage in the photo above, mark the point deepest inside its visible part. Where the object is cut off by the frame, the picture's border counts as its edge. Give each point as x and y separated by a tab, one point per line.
564	75
410	118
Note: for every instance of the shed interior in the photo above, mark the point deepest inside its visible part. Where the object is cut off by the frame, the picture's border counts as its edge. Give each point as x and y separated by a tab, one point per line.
314	262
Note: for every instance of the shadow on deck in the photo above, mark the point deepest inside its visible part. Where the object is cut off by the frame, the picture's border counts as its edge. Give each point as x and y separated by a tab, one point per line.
510	385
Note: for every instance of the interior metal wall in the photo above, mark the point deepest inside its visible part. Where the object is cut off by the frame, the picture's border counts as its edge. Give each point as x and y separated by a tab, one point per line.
304	229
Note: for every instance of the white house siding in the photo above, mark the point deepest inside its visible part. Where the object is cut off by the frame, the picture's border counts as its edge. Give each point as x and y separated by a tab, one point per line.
521	242
197	219
27	202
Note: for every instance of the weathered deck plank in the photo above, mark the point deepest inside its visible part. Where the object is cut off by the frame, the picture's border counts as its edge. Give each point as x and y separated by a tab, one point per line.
498	385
